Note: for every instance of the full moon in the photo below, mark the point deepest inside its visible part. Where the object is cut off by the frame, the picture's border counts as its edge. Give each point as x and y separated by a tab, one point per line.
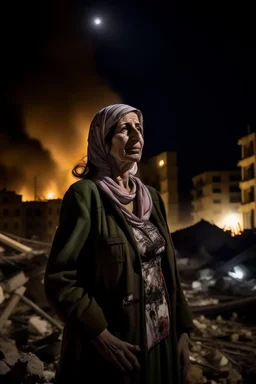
97	21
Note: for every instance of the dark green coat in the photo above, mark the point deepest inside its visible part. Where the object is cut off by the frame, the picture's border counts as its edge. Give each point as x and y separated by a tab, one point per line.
93	266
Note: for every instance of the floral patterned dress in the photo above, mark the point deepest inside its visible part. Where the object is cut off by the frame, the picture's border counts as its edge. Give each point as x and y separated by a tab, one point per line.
151	246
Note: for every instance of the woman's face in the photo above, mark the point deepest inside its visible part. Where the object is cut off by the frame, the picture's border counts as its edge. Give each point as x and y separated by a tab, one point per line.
127	142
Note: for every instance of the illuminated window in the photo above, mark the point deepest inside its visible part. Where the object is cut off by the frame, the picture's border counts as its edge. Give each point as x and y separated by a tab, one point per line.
161	163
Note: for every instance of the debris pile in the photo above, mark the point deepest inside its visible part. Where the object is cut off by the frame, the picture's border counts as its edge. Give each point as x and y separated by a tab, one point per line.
224	349
30	335
222	346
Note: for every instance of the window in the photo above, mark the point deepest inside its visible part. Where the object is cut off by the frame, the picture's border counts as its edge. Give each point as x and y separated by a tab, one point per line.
234	188
216	190
50	211
235	199
216	179
16	225
38	212
6	212
5	225
234	177
17	212
216	201
29	212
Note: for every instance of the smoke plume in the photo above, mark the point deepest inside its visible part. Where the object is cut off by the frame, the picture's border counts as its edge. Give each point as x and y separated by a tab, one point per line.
55	105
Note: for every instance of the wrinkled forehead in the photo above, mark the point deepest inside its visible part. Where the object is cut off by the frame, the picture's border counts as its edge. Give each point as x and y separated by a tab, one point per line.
129	117
110	116
124	115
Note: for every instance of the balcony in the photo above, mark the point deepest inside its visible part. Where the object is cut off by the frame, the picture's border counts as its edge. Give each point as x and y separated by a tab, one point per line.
247	207
248	176
247	161
248	197
246	184
247	201
248	152
197	193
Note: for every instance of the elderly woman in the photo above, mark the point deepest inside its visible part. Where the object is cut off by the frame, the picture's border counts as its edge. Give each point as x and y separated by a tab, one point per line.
111	275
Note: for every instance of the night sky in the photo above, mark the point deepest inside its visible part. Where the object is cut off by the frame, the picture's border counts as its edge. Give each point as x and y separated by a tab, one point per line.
189	66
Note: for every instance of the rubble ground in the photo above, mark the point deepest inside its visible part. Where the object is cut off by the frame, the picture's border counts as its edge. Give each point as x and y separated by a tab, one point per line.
222	344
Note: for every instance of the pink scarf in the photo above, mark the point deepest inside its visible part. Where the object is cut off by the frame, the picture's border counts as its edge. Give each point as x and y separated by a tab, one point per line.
98	155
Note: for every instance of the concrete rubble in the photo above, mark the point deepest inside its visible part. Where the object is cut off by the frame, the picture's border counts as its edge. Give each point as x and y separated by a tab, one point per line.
223	341
30	333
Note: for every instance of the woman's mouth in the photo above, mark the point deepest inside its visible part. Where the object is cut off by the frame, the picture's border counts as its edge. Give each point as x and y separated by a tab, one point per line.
134	148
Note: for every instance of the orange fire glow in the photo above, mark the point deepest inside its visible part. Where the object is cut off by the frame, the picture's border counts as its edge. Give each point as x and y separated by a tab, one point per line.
56	110
50	196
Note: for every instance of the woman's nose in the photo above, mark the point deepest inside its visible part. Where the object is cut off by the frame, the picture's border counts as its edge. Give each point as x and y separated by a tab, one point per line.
135	134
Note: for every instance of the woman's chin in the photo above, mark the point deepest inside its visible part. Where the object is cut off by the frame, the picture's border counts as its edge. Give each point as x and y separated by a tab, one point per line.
132	157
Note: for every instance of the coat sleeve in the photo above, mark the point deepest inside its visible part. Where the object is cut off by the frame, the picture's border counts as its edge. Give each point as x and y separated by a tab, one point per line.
70	300
183	316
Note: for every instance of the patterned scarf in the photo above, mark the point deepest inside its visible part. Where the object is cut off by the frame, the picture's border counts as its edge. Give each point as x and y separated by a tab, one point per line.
99	156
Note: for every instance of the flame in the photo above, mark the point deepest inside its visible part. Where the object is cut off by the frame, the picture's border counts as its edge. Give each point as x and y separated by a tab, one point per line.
50	195
56	124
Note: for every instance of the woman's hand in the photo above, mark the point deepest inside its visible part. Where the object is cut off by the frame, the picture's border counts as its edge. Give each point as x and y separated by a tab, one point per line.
183	351
118	353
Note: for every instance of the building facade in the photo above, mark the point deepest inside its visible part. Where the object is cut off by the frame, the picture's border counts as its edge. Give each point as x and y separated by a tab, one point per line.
216	198
52	217
11	212
40	219
34	220
248	179
37	220
161	172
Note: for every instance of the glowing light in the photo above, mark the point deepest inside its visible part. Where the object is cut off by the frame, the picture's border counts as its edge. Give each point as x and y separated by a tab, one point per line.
161	163
50	195
237	274
97	21
231	223
231	220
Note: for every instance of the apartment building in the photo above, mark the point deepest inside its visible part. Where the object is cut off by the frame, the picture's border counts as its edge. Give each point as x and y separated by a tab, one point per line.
216	198
52	217
11	212
161	172
36	220
40	219
248	179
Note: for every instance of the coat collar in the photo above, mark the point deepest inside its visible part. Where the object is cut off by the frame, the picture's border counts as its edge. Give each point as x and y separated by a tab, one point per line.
156	218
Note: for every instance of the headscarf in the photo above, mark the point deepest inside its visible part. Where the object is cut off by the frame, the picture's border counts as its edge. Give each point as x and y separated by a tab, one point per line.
99	156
